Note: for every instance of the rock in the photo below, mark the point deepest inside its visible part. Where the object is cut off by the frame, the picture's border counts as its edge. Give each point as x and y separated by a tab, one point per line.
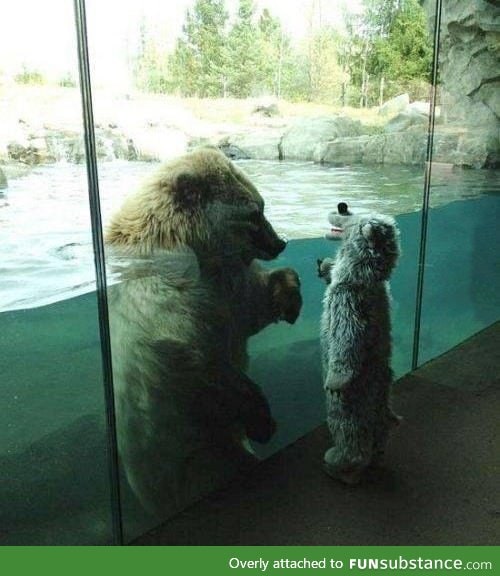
407	147
470	75
301	139
260	145
394	105
420	107
16	151
423	108
3	180
266	110
462	148
342	151
396	148
74	150
232	151
159	143
403	120
32	151
374	149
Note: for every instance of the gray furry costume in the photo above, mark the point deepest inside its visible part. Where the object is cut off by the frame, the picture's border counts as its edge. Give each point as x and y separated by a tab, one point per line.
356	341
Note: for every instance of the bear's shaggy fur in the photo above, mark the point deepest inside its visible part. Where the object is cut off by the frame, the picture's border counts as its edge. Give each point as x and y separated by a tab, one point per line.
356	344
191	296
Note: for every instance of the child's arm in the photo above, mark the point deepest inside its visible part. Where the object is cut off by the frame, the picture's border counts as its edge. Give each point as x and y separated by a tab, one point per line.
324	266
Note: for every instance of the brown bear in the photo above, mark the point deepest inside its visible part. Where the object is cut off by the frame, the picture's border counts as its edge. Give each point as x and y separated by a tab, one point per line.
190	296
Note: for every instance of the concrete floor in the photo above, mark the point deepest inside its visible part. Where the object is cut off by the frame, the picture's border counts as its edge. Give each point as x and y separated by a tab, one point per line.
440	484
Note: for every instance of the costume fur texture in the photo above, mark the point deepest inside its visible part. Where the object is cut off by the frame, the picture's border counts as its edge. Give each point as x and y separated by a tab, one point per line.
356	343
191	295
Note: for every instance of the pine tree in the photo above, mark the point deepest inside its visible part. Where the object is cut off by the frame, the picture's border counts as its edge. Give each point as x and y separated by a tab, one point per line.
387	50
405	53
198	61
243	55
274	53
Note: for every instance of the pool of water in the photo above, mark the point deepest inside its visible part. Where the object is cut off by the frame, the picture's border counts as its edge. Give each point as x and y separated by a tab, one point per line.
45	224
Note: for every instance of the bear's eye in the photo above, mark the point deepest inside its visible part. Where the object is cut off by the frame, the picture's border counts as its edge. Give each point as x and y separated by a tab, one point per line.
254	211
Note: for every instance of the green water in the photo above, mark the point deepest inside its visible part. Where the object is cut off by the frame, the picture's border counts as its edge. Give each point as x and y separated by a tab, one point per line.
53	473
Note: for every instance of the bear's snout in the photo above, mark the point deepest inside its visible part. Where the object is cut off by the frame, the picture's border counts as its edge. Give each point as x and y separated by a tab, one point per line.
268	244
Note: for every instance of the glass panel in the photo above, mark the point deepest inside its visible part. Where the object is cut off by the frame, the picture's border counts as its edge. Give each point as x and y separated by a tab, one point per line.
462	271
53	466
314	111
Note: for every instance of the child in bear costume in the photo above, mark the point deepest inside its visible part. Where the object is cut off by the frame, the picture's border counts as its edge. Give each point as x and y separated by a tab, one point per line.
356	341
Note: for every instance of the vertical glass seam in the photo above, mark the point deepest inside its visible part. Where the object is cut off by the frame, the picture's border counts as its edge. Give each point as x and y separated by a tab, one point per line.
99	262
427	187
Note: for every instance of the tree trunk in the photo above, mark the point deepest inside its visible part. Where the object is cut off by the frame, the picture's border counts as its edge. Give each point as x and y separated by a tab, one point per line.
280	65
381	92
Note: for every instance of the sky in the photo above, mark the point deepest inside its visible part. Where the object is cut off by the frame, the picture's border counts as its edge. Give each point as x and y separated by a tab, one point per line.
40	33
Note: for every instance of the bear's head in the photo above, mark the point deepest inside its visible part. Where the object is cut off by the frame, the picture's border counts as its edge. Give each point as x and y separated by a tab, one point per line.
200	200
370	249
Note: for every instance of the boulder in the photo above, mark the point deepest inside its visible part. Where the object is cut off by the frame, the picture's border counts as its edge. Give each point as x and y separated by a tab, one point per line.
394	105
407	147
396	148
420	107
462	148
405	119
342	151
232	151
267	110
65	145
159	143
301	139
423	108
260	145
31	151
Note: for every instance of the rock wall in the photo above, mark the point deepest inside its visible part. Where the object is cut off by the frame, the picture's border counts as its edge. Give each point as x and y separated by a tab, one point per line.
47	145
469	69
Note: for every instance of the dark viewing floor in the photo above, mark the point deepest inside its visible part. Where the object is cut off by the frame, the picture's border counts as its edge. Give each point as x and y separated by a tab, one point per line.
439	486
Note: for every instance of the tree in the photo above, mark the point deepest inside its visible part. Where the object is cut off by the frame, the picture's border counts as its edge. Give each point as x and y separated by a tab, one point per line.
378	17
243	55
198	61
405	53
325	72
275	52
150	69
388	50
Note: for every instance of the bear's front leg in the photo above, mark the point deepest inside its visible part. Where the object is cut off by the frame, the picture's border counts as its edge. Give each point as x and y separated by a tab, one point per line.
236	398
285	296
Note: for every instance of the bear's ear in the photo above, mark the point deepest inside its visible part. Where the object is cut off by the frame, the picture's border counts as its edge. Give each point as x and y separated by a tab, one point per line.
190	190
